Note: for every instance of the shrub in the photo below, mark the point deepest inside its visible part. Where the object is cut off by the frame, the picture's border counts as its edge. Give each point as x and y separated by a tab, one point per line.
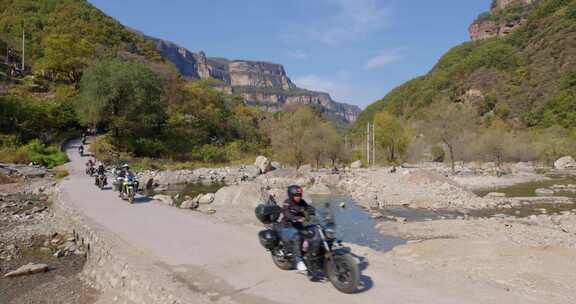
210	154
438	154
48	156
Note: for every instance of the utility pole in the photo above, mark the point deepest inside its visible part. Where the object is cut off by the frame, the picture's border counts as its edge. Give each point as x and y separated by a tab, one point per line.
23	47
368	144
373	145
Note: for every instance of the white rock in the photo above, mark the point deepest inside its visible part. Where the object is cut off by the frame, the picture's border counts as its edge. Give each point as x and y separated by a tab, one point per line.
356	165
566	162
206	199
263	163
189	204
496	194
544	191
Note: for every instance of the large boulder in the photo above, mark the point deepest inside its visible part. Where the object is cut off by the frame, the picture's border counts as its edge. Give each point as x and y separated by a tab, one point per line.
356	165
244	196
263	163
566	162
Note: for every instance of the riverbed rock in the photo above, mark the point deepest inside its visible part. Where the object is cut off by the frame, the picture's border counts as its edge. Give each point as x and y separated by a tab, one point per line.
544	191
27	269
263	163
275	165
496	194
319	189
244	195
251	171
206	199
356	165
189	204
564	163
165	199
23	170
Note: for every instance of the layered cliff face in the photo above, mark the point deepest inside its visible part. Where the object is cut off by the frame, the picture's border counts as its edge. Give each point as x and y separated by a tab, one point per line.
262	84
504	17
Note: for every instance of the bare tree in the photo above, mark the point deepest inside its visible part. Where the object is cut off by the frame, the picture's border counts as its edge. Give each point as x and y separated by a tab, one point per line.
451	125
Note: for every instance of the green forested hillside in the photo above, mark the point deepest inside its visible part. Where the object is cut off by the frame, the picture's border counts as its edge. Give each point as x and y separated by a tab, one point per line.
64	35
526	78
86	70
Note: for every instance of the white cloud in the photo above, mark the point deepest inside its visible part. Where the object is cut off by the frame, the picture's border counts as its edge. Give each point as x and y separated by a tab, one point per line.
350	20
297	54
383	58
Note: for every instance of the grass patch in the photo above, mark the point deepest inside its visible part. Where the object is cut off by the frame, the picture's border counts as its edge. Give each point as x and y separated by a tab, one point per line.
61	173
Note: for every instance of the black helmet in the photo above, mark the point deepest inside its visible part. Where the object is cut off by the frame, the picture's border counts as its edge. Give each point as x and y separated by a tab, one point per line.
295	190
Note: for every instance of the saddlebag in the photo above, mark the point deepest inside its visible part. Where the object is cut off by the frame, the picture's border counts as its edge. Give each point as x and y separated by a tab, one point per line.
268	213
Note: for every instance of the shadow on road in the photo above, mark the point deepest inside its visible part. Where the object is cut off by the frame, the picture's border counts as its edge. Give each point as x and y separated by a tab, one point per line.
366	282
142	200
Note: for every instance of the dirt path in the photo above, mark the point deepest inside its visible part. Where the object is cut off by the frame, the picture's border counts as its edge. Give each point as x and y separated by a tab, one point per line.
226	260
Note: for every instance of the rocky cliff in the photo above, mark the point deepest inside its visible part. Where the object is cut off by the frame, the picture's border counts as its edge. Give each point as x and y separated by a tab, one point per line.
504	17
261	84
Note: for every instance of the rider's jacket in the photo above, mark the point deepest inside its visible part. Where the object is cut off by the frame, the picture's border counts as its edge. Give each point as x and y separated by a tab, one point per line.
292	212
101	170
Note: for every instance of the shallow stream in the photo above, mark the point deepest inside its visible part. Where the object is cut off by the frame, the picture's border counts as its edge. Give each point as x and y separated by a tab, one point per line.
519	190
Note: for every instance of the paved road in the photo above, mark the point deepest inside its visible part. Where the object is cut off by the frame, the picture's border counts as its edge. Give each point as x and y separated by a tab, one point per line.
192	243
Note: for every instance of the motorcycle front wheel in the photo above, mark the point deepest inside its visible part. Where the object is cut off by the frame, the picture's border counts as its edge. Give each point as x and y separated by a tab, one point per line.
131	196
343	273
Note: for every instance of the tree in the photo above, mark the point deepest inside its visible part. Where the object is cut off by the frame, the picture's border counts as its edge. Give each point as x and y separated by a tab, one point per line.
451	125
494	142
125	97
290	135
391	136
335	150
324	142
65	57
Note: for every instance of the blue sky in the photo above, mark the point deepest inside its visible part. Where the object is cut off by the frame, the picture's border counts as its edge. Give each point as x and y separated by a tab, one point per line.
357	50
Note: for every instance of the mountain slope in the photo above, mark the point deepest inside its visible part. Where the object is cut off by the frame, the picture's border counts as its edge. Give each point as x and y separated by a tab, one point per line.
527	76
262	84
65	35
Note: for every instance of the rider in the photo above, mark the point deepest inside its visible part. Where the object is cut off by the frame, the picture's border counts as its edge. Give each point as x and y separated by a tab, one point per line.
294	211
81	149
101	169
127	174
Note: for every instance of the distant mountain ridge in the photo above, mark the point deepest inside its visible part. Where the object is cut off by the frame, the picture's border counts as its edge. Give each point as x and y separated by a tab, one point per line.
262	84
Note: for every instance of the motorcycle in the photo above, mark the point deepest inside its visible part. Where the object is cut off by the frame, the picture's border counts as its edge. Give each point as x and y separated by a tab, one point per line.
90	170
101	181
323	254
128	191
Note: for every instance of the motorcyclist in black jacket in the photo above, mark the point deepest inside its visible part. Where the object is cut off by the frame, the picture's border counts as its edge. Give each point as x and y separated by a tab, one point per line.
294	211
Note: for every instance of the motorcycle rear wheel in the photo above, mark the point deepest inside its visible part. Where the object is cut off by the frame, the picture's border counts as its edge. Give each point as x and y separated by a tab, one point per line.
282	262
343	273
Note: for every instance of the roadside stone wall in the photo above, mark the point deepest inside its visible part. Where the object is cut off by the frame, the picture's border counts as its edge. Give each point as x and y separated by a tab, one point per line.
120	271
